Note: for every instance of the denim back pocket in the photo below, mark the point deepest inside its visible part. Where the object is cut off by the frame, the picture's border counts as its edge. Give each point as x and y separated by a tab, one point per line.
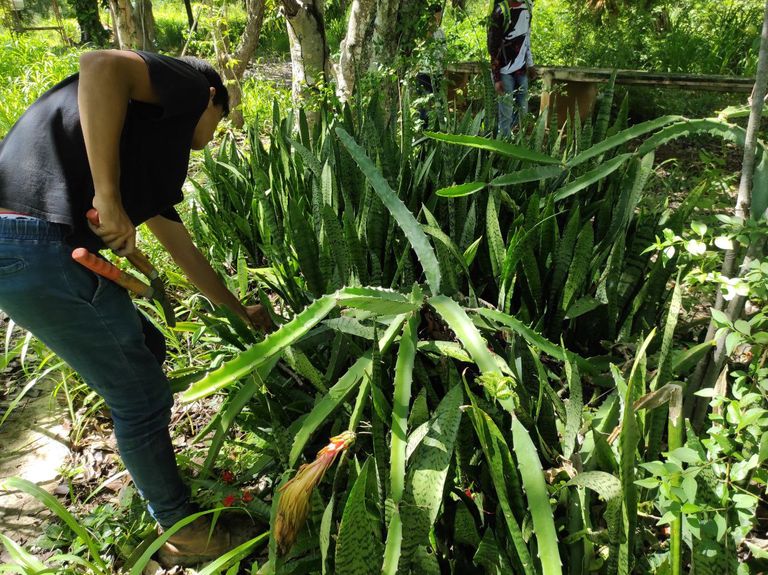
10	266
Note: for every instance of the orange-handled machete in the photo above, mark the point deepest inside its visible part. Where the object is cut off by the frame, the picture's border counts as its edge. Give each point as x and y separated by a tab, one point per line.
112	272
156	289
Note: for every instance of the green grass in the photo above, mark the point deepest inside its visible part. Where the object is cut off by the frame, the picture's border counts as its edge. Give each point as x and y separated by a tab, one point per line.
29	65
258	96
697	37
172	27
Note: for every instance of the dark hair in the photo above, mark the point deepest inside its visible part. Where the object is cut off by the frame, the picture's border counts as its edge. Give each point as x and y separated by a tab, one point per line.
221	98
435	8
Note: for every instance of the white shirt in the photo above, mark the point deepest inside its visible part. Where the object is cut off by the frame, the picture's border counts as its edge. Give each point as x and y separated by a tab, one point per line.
522	28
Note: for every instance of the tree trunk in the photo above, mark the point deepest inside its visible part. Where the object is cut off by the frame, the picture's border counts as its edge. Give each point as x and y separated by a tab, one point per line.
250	40
124	22
190	17
145	24
385	37
309	49
710	367
91	30
232	73
410	26
356	53
397	27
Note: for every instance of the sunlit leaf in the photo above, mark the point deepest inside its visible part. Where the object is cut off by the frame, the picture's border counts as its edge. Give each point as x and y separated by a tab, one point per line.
494	145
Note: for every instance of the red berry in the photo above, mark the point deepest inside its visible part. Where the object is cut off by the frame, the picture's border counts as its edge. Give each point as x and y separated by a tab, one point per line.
227	476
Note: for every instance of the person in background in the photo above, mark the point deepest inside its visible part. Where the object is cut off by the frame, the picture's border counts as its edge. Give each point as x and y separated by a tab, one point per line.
115	137
509	45
432	60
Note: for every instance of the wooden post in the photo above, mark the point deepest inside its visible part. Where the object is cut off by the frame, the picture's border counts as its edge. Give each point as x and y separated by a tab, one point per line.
188	8
546	94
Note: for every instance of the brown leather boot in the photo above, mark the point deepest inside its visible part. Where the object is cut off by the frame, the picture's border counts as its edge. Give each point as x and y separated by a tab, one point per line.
195	544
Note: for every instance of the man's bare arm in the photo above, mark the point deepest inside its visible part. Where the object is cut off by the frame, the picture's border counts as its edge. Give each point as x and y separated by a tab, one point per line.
108	80
176	239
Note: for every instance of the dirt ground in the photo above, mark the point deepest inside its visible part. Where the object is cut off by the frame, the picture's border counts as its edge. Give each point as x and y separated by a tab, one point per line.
35	446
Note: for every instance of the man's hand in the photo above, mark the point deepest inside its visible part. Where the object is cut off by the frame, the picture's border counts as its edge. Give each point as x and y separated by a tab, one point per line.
499	86
114	226
533	73
259	318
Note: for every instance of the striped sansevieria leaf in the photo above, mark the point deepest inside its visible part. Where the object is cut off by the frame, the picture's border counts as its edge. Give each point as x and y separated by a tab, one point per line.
397	208
340	391
609	488
505	480
358	541
426	475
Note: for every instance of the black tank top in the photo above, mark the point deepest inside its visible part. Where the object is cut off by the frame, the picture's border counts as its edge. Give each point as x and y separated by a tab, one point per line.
44	168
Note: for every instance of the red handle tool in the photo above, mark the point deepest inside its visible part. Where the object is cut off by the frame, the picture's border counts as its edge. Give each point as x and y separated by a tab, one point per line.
156	289
112	272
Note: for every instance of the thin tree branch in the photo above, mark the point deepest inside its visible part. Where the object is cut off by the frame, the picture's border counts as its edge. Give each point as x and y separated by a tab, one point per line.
710	366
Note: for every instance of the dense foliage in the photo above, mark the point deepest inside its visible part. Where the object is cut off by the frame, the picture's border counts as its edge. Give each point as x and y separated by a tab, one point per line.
697	37
546	235
486	343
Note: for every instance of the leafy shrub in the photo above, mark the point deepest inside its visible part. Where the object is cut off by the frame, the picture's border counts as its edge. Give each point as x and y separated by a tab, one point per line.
482	255
171	26
274	37
697	37
465	33
29	66
257	102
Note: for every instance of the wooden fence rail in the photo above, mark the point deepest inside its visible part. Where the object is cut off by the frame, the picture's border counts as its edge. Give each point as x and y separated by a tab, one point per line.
566	87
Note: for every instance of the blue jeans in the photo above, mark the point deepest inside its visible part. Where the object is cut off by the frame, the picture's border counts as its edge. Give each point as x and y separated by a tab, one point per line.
513	103
90	323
